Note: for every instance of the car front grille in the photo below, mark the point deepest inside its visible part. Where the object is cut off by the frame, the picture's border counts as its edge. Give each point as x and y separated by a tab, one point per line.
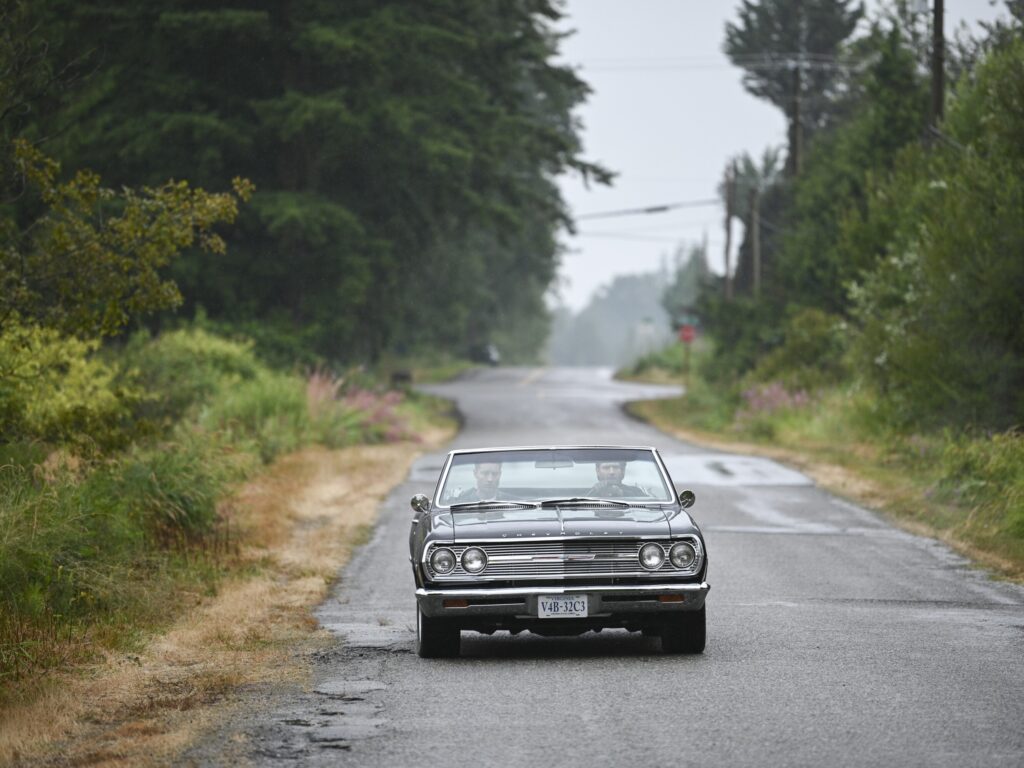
565	559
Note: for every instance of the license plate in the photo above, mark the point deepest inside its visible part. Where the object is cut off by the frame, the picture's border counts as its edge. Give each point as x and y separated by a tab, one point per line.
561	606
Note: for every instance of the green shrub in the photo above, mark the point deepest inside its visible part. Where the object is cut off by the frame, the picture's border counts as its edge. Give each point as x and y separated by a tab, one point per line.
671	359
744	330
269	410
183	368
942	337
811	354
54	389
83	540
170	490
276	340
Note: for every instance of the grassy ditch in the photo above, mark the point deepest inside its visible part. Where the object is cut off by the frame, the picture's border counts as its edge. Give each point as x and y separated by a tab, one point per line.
964	488
294	525
104	545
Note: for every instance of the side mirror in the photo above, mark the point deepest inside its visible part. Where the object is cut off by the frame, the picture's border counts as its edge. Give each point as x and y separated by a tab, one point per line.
419	503
687	498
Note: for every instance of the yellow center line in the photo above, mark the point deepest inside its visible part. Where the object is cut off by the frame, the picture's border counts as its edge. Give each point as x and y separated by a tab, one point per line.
531	377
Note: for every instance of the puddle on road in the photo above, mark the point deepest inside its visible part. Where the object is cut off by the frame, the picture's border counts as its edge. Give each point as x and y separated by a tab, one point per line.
729	470
349	688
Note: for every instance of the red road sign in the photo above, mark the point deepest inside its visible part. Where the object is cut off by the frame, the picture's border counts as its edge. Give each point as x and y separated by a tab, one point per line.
687	333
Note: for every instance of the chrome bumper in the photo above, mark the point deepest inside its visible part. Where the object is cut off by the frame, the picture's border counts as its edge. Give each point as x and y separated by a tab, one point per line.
521	602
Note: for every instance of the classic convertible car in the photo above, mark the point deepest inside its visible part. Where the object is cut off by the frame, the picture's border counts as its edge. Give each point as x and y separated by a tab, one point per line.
557	541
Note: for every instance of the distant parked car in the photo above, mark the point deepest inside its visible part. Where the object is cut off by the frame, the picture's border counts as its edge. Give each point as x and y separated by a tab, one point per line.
557	541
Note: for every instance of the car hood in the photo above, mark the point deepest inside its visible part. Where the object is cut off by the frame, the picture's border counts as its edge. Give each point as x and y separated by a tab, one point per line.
538	523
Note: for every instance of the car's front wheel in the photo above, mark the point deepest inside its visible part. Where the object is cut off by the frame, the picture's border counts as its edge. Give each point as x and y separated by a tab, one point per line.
685	633
436	638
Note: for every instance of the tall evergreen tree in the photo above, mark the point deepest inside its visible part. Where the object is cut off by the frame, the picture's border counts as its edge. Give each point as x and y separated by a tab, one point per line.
789	51
403	154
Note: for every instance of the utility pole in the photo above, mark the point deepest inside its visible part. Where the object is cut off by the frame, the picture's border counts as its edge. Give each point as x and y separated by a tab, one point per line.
938	65
730	206
755	237
794	163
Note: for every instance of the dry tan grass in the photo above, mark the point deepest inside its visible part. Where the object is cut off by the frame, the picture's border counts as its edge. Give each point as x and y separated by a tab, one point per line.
299	523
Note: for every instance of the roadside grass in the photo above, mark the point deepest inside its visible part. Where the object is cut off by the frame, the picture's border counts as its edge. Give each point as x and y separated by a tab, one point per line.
297	522
98	553
421	368
965	489
89	556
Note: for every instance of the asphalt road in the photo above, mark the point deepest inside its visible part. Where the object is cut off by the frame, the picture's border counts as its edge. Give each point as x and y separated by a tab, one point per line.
833	638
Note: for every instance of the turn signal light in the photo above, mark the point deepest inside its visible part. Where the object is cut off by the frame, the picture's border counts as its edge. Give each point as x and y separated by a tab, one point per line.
455	603
671	598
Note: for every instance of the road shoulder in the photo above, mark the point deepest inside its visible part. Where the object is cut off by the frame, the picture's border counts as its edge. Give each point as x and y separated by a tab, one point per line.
255	639
892	495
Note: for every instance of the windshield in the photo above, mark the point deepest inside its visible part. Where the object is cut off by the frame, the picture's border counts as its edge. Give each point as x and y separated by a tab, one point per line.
566	474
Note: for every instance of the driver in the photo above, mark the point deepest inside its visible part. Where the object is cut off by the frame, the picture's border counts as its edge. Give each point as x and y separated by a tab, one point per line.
609	481
487	475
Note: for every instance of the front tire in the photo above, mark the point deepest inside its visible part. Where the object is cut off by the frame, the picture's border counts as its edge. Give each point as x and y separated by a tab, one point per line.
436	638
685	633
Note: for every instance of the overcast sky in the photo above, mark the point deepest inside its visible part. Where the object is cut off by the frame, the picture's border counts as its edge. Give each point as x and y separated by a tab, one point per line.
666	112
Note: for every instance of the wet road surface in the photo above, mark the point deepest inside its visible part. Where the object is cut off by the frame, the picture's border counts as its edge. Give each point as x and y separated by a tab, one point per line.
833	638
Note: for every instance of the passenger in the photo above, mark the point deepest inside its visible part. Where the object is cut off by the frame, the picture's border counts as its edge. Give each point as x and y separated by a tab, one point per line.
487	475
609	481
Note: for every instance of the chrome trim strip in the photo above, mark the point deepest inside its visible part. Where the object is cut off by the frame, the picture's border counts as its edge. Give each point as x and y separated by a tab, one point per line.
469	594
528	559
550	448
583	537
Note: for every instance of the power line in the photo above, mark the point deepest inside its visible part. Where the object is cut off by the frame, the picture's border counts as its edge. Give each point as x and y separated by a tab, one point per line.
650	209
629	236
640	238
773	60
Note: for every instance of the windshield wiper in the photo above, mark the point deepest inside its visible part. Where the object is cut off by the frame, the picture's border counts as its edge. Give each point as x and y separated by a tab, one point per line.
584	500
493	504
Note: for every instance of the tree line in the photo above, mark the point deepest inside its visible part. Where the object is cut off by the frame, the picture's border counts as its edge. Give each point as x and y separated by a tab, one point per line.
396	160
888	249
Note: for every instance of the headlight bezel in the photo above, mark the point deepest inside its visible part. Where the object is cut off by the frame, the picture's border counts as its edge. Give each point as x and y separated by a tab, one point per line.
433	565
652	547
694	560
483	560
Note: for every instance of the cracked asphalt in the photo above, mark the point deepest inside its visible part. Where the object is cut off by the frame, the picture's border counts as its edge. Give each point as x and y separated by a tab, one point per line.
833	637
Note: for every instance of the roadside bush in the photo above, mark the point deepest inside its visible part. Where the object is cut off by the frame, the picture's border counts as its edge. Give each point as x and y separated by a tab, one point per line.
85	537
54	389
744	331
941	314
276	341
671	360
375	414
763	406
811	354
269	411
276	413
183	368
705	405
170	490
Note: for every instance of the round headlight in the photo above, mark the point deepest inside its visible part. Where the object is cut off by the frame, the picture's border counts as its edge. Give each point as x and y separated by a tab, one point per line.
682	555
442	560
474	560
651	556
